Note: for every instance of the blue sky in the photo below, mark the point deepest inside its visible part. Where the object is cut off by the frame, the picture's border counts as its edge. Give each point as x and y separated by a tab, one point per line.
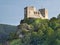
12	11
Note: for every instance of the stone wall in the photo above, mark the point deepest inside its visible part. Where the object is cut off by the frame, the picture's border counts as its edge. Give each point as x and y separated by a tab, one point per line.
31	12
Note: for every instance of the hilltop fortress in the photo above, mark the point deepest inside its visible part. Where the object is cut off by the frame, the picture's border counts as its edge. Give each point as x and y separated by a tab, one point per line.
32	12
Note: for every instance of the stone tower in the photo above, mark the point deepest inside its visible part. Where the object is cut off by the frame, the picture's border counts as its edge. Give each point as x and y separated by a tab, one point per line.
31	12
44	13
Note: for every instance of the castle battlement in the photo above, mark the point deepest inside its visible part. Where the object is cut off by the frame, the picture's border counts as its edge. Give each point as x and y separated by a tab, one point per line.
32	12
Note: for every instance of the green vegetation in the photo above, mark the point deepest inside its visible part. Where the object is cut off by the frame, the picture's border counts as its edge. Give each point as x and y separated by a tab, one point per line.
39	32
15	42
58	16
5	31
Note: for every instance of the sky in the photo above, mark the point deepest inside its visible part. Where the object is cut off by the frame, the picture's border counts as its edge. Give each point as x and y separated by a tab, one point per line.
12	11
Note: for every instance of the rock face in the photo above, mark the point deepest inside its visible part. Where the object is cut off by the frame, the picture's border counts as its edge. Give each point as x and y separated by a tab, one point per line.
23	28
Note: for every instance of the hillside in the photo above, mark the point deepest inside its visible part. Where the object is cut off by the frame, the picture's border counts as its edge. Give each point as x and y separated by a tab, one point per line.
33	31
38	32
5	30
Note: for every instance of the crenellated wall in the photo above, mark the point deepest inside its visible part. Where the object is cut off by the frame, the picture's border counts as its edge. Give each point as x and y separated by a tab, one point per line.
32	12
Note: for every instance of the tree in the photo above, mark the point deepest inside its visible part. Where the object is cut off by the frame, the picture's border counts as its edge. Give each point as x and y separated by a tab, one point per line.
16	42
58	16
57	42
12	36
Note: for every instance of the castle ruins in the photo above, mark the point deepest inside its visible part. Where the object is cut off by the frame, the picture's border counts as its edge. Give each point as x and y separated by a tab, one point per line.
32	12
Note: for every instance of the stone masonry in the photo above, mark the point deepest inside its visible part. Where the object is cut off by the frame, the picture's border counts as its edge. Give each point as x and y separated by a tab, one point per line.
32	12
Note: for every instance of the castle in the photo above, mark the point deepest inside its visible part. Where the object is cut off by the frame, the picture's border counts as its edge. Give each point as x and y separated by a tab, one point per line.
32	12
